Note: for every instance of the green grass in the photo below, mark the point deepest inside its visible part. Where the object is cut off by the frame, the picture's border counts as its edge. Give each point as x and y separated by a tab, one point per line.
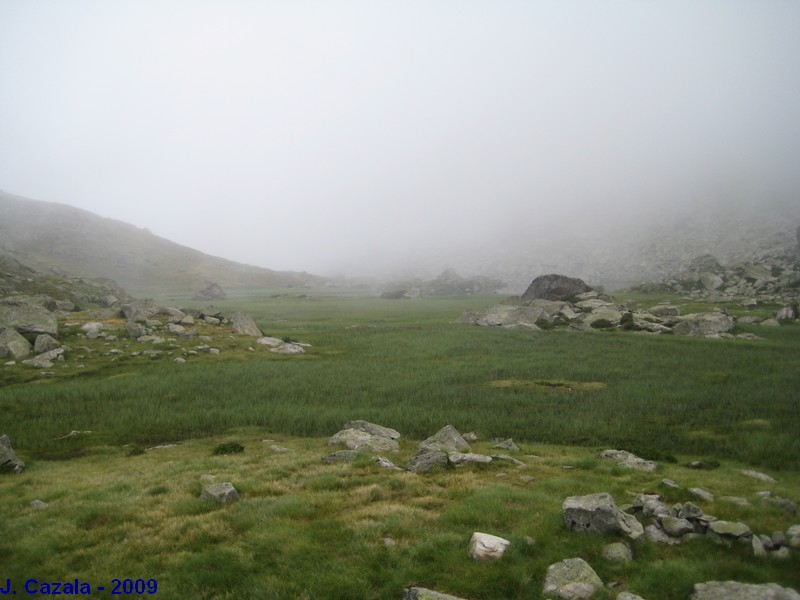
403	363
307	530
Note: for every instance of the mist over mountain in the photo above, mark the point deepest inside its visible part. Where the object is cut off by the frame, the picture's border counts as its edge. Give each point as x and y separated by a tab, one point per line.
613	253
56	238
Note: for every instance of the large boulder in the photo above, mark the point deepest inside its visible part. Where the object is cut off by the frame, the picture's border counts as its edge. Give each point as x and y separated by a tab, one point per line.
704	325
570	579
447	439
211	292
598	513
27	318
9	460
356	439
13	344
733	590
140	310
245	325
555	287
629	460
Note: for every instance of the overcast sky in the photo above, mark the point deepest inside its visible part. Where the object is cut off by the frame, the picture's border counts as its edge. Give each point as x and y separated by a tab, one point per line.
332	136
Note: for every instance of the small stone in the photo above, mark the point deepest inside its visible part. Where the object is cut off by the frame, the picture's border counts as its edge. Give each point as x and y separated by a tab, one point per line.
570	579
657	535
38	504
758	547
735	500
502	475
701	494
526	479
618	552
675	526
781	553
507	445
670	484
779	539
759	476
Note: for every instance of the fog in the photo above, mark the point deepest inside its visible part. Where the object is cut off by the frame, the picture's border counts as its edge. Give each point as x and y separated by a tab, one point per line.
358	137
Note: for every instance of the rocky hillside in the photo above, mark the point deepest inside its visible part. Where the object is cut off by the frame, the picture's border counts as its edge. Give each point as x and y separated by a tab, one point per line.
59	239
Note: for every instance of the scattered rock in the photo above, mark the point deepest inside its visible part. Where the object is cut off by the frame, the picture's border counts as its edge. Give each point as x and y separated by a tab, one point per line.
629	460
245	325
507	445
38	504
288	348
417	593
701	494
27	318
45	343
675	526
657	535
356	439
729	530
8	460
459	459
618	552
219	492
373	429
759	476
670	484
426	460
597	513
484	546
570	579
786	505
13	344
447	439
269	341
340	456
385	463
733	590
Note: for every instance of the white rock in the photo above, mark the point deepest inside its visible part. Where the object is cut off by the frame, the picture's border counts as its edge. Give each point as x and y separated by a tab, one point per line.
484	545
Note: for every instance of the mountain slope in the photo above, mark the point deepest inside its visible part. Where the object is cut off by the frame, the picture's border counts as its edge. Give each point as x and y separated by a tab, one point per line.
58	238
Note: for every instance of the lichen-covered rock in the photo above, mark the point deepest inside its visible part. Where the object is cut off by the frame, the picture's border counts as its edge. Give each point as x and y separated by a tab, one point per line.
27	318
598	513
729	530
733	590
447	439
618	552
219	492
571	579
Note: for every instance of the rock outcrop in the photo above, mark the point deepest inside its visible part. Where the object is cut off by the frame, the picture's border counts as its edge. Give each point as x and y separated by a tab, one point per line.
733	590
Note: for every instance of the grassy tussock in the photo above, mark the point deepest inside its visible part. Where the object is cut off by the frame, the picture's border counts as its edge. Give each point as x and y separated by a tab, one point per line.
303	529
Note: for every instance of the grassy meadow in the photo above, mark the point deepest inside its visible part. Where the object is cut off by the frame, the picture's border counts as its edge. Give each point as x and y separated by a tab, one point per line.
307	530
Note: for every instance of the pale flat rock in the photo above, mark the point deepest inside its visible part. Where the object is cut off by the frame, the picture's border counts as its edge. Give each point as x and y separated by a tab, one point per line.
417	593
733	590
373	429
483	546
759	476
459	459
701	494
629	460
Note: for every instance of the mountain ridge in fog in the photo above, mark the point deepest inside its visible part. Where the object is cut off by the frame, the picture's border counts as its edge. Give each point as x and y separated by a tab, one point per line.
614	252
59	238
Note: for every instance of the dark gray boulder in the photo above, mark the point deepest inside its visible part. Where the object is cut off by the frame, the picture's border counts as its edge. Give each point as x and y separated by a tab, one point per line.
555	287
8	460
598	513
